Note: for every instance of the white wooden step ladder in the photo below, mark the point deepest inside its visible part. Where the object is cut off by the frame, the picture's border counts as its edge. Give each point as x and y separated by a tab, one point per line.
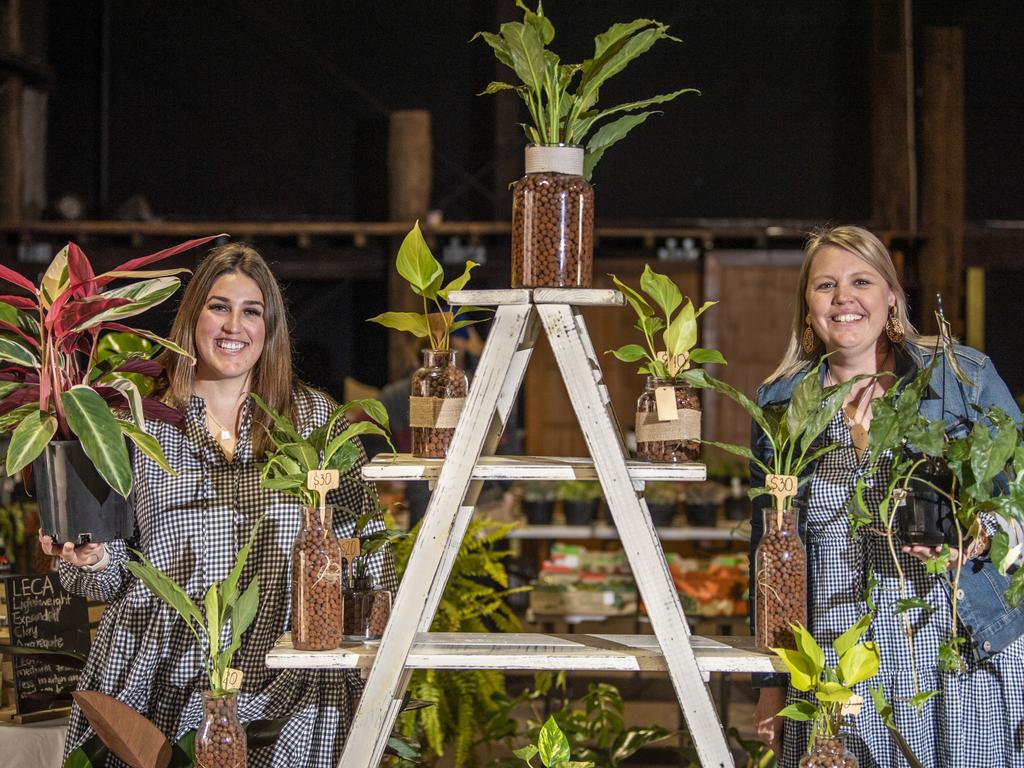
408	644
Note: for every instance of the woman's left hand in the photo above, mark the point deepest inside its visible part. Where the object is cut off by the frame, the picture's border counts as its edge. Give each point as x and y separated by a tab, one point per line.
924	554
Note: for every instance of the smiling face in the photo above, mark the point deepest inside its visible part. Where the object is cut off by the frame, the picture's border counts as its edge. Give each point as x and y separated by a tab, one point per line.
848	301
231	330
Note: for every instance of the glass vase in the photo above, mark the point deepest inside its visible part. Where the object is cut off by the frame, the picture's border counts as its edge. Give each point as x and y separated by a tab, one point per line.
220	740
370	608
670	440
438	392
553	220
316	584
780	572
829	752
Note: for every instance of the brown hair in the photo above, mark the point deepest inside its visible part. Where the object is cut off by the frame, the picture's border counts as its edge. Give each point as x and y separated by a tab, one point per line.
868	248
272	377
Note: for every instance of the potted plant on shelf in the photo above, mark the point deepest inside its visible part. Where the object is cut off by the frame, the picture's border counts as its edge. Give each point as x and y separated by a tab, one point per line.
702	502
662	499
832	688
220	739
65	380
307	468
553	204
537	502
668	411
439	388
779	576
580	500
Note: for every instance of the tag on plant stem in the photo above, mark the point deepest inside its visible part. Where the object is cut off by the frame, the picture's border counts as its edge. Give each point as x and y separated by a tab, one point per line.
665	401
852	707
321	481
349	549
781	487
232	679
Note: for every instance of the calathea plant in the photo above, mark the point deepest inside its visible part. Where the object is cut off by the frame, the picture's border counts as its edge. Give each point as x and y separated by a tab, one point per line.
59	380
562	98
425	275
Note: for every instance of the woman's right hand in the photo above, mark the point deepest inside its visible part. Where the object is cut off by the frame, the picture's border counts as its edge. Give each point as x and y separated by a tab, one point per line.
767	722
82	556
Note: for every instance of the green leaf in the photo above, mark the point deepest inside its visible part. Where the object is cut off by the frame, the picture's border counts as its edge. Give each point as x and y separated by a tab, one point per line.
459	282
809	647
852	636
89	417
700	356
606	136
212	605
681	334
918	699
350	433
143	295
242	615
833	692
131	393
822	417
148	444
527	753
629	353
526	52
496	86
805	400
803	674
417	265
739	450
661	288
29	439
911	603
698	377
613	51
498	45
285	427
587	123
17	352
635	299
799	710
552	744
858	664
229	587
164	587
410	322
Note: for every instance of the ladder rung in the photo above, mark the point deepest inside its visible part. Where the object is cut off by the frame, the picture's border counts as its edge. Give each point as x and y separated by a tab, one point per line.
403	466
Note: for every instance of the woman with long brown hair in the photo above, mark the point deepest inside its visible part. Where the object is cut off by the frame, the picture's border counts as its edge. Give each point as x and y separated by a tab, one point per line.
232	322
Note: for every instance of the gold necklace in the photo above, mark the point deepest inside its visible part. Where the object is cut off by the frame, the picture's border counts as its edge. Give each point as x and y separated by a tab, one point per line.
225	433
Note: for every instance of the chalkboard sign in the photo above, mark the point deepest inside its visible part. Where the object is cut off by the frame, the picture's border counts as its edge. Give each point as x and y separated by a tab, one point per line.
42	614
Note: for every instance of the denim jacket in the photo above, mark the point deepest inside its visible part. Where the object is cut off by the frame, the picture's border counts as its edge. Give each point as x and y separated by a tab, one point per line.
983	609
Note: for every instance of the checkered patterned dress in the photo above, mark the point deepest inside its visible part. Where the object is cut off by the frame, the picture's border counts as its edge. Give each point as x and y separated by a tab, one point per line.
978	717
191	527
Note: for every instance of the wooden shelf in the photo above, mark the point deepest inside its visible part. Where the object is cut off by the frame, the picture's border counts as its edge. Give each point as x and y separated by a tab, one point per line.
624	653
671	533
403	466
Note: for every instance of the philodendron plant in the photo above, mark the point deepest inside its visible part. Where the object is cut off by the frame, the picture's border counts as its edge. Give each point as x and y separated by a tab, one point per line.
59	379
677	349
425	275
832	686
223	603
562	98
288	466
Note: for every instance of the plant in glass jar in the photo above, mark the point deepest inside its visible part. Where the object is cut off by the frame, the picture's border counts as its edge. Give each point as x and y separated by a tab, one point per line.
69	372
792	431
832	687
439	388
306	468
220	739
553	204
668	411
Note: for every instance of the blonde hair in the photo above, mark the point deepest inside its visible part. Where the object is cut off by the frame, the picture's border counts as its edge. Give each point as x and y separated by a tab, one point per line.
272	377
865	246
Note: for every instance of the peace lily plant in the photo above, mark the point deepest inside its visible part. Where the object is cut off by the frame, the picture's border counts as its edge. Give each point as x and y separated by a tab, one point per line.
562	98
66	360
425	275
677	348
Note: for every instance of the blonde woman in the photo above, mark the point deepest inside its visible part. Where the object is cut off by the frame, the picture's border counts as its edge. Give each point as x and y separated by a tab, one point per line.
232	319
849	303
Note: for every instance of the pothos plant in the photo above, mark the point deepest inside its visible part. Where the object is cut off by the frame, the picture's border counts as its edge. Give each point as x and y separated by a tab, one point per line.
288	466
562	98
425	275
552	748
224	602
831	686
58	380
677	348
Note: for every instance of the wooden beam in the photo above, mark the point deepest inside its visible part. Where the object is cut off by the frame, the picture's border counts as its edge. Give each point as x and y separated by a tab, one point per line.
894	171
940	264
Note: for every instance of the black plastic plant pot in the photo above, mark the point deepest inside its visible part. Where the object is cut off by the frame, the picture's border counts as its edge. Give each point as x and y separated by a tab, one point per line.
580	512
538	512
737	509
701	515
75	502
662	512
926	516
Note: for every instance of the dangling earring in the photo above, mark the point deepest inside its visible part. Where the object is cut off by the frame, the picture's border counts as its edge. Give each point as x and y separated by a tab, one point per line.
808	339
894	327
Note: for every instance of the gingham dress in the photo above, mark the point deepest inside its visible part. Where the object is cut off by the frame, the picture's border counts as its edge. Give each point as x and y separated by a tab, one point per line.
978	717
191	527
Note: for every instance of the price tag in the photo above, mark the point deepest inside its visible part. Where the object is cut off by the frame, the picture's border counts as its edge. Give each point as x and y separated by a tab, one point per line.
232	679
349	550
665	402
852	707
321	481
781	487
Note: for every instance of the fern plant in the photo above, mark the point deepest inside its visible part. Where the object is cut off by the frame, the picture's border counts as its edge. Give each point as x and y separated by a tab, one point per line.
473	601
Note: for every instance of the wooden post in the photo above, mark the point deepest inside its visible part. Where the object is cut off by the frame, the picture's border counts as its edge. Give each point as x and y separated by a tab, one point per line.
940	264
409	181
894	151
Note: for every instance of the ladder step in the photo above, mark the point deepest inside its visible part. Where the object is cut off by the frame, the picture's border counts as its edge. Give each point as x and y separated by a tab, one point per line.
580	297
449	650
672	533
403	466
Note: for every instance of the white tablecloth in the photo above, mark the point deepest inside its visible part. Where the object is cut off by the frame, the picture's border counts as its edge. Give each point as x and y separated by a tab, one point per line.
32	745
